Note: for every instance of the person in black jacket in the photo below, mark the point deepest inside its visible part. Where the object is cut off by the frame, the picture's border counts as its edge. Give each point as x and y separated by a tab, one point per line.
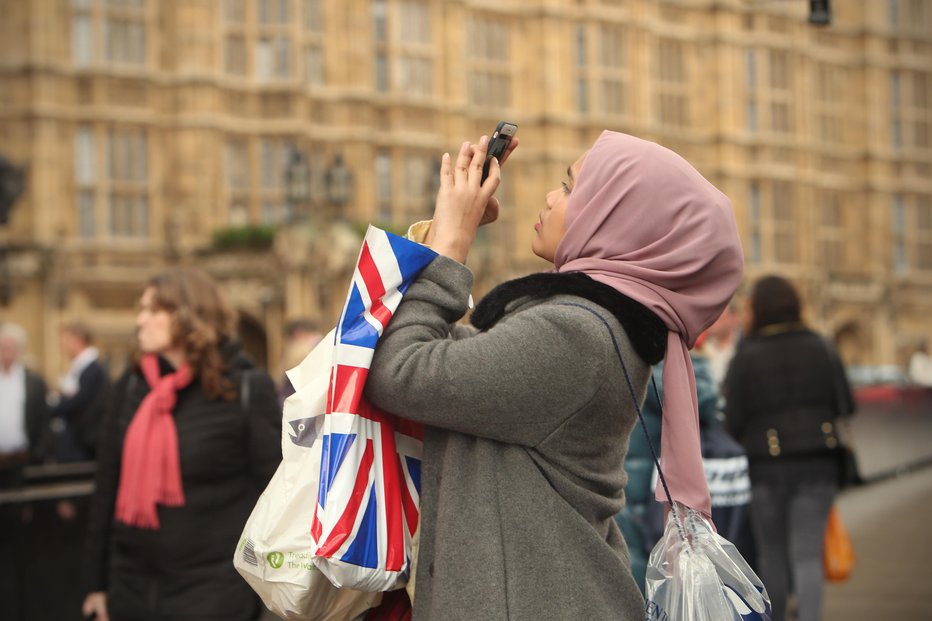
785	391
83	392
190	441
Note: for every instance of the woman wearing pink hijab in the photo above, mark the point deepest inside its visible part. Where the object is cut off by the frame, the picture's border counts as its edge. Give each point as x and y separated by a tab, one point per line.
528	412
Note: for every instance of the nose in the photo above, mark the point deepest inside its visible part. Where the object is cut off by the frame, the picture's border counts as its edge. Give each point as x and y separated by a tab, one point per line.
550	197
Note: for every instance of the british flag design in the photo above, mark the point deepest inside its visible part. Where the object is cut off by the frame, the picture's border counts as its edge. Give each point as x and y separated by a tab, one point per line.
369	490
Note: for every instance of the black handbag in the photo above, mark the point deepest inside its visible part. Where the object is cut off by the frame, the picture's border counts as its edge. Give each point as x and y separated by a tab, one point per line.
848	472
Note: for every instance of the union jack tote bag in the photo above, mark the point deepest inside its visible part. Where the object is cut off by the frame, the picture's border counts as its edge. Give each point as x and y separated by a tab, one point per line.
369	489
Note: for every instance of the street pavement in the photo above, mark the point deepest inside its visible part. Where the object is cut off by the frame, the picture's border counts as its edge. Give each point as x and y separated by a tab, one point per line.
890	523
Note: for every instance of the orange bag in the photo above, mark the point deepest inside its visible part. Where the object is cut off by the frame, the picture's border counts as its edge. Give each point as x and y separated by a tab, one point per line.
838	556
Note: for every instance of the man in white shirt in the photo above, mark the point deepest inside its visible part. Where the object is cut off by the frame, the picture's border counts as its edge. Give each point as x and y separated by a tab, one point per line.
23	439
23	412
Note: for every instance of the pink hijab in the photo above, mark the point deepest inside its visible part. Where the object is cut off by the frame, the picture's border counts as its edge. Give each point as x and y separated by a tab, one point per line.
642	220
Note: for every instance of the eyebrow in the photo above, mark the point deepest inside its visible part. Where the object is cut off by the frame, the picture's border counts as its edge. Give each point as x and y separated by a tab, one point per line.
569	173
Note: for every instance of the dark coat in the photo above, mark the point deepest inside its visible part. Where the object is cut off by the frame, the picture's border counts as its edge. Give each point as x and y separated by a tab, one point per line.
784	390
228	452
527	424
81	413
36	417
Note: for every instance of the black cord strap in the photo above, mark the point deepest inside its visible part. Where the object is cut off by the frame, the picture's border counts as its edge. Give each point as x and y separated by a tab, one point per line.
634	399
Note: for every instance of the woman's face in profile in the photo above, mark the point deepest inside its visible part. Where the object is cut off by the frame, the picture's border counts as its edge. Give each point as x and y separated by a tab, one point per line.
551	224
153	325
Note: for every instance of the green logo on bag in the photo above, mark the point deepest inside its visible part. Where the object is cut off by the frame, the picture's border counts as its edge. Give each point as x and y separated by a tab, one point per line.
276	559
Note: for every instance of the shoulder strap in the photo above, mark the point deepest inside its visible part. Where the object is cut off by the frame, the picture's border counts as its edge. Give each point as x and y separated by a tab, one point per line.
634	399
679	519
244	390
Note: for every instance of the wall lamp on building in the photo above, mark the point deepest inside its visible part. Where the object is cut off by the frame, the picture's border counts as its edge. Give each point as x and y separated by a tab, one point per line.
12	184
307	185
339	183
820	12
297	184
321	244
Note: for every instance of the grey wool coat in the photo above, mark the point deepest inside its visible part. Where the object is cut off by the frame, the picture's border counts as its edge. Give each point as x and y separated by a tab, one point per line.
527	426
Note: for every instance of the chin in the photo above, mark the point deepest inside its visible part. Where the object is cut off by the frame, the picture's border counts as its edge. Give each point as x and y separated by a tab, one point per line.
543	255
535	249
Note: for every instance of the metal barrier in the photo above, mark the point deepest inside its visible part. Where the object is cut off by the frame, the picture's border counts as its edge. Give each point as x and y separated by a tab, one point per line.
57	471
52	482
892	430
42	545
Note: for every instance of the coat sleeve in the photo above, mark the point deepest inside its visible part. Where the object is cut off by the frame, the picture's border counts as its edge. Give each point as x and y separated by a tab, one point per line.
515	383
37	418
90	383
109	455
263	428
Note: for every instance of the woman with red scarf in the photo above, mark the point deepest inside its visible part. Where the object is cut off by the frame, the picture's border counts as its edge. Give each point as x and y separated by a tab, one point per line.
189	442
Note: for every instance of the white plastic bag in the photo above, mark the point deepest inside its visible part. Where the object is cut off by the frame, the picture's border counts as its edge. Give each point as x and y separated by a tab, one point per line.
696	575
274	552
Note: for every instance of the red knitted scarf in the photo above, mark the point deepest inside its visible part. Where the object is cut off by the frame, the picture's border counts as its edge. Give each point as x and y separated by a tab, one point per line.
151	469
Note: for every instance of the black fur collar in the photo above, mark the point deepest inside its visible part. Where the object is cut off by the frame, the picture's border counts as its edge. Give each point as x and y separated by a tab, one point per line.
647	332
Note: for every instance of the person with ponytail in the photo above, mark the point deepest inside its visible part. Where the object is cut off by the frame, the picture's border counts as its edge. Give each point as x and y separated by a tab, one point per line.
528	414
189	441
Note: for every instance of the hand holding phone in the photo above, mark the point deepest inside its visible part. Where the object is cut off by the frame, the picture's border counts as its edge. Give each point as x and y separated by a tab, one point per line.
498	145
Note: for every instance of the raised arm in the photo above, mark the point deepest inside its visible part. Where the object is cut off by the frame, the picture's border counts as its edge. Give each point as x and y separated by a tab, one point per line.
514	383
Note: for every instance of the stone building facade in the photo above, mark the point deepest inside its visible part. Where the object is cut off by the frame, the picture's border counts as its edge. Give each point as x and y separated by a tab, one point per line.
150	131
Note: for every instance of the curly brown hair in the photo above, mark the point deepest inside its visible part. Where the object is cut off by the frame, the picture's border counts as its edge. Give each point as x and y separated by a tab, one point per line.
201	322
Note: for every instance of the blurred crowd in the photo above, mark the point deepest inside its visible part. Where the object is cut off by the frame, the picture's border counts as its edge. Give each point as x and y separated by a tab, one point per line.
191	425
771	393
772	398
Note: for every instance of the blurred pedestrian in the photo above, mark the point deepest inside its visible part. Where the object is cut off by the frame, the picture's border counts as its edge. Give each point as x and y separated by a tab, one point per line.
528	414
920	365
785	390
191	439
23	440
301	336
82	394
720	341
23	410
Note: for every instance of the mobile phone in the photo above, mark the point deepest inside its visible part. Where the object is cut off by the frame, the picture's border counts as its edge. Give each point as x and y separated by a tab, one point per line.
498	144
